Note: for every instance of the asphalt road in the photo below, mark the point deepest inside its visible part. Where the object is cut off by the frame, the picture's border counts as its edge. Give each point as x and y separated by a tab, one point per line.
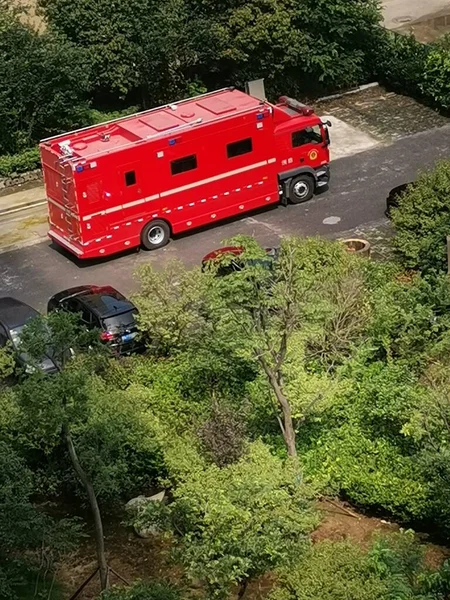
357	195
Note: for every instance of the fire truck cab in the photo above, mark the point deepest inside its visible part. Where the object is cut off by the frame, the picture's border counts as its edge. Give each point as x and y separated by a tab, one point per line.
139	179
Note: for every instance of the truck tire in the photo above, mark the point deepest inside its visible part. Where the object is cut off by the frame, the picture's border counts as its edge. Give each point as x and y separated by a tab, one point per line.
155	235
301	189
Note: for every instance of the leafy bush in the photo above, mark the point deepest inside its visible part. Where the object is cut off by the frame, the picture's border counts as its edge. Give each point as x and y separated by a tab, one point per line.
391	569
401	63
436	73
422	221
28	160
236	523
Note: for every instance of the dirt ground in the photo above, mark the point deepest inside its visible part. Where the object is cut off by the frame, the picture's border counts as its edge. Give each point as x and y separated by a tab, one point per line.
149	559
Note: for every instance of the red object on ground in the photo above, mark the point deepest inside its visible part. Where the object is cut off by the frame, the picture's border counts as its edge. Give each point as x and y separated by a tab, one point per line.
139	179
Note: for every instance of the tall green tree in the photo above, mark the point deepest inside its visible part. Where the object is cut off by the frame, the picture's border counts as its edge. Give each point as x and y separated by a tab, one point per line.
44	83
233	524
30	541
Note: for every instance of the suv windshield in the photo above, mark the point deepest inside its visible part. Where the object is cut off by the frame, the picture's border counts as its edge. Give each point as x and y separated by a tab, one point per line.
124	320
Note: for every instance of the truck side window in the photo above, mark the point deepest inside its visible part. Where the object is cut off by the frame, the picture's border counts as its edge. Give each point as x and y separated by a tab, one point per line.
181	165
239	148
310	135
130	178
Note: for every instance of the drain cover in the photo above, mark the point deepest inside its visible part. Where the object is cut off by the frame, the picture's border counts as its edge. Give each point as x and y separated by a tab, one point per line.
403	20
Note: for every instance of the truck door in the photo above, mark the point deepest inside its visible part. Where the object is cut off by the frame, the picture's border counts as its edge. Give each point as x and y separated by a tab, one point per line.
308	146
63	212
130	183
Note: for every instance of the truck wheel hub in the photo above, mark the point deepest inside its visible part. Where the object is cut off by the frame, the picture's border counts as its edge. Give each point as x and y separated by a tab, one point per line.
301	189
156	235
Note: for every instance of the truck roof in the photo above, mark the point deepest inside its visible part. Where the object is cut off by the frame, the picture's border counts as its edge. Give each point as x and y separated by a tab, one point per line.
158	122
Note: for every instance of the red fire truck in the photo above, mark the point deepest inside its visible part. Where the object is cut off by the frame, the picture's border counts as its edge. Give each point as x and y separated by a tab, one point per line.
139	179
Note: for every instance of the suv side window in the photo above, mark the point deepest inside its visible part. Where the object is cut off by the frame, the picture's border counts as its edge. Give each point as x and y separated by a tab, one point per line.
310	135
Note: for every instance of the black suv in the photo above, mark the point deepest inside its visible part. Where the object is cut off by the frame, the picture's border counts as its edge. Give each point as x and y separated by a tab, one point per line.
394	196
103	308
14	315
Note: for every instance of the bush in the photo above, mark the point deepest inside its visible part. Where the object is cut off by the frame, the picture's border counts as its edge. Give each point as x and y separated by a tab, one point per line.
393	568
28	160
436	75
401	63
422	221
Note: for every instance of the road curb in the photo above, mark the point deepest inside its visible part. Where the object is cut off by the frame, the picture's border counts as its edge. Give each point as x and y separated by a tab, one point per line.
23	244
20	207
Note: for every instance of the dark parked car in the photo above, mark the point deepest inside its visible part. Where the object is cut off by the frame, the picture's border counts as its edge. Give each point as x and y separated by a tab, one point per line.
103	308
235	263
394	196
14	315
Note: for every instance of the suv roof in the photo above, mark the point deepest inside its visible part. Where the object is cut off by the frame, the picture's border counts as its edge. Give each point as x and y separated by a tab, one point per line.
14	313
104	301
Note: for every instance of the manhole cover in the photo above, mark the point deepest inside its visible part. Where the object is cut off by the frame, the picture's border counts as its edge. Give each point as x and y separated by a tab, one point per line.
403	20
331	220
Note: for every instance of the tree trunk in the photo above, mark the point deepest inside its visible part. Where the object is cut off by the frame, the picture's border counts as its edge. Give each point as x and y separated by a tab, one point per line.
99	539
288	425
242	589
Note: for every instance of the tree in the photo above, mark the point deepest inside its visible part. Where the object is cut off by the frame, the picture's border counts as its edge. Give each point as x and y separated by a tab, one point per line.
234	524
59	403
422	221
299	48
28	538
44	84
267	308
161	51
137	50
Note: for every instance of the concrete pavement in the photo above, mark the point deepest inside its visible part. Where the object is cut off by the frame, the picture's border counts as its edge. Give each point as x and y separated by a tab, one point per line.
426	20
398	12
359	187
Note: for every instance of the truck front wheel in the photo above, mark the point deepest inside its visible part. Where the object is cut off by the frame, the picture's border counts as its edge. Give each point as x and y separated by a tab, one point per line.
301	189
155	235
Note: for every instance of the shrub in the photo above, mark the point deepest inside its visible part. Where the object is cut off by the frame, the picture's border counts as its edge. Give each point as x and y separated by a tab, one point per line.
28	160
436	73
391	569
422	221
401	63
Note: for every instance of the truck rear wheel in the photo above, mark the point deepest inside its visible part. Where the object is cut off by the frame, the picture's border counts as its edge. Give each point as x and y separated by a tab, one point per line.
301	189
155	235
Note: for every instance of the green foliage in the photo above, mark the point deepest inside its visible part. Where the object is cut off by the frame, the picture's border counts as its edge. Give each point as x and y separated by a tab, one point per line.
422	221
410	317
391	569
28	160
236	523
401	63
436	74
143	591
23	528
160	51
44	82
